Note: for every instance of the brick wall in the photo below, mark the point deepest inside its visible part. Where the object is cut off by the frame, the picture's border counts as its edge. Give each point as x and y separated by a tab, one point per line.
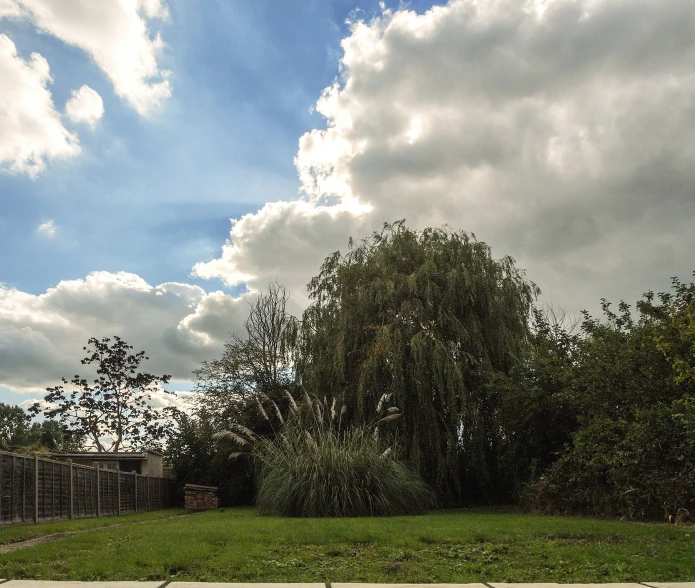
201	497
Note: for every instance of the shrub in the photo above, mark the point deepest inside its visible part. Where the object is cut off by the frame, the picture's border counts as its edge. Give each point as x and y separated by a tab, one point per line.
642	468
192	453
315	467
631	380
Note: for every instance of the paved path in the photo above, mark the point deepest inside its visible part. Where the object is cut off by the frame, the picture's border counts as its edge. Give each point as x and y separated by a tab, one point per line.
51	584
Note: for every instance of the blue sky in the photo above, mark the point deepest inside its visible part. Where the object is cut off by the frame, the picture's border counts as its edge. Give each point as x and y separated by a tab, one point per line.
557	131
155	196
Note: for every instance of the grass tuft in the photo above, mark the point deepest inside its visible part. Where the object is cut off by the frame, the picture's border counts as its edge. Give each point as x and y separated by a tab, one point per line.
335	473
317	468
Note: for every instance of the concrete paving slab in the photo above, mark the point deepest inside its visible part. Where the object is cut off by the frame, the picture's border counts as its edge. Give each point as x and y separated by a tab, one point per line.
669	584
555	585
52	584
245	585
366	585
521	585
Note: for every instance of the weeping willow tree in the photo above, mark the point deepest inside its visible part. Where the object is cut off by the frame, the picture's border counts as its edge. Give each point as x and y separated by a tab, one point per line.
431	319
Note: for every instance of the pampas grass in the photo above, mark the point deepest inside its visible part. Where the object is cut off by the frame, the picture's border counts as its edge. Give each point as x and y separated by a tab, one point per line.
316	467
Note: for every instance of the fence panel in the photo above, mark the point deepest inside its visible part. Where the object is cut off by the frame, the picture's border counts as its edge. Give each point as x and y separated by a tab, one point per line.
127	492
35	489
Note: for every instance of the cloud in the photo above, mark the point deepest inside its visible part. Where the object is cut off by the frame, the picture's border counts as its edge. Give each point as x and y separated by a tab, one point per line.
179	325
9	9
115	34
562	133
559	132
85	106
47	229
31	132
284	242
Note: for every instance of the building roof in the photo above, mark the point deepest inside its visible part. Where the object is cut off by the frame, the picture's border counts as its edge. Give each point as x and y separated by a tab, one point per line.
106	455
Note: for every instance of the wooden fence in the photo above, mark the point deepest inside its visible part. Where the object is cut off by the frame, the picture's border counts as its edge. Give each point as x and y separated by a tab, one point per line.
34	489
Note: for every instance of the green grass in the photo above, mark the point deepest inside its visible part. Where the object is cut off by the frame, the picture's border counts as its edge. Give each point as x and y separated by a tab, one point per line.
16	533
445	546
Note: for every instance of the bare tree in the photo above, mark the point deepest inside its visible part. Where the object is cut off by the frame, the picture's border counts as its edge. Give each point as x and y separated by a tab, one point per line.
259	362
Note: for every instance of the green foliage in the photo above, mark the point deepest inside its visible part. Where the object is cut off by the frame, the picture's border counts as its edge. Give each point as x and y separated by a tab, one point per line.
19	434
14	426
633	453
432	319
316	466
675	337
494	394
257	363
538	410
195	458
335	475
638	468
117	407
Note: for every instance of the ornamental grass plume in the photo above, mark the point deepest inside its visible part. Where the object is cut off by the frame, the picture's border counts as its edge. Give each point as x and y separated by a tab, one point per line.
316	466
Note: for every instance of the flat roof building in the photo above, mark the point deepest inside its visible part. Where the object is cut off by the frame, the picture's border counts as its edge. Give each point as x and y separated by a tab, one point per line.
147	462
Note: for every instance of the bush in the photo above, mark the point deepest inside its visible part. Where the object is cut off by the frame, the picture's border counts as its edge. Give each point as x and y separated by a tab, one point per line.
192	453
642	468
631	381
315	467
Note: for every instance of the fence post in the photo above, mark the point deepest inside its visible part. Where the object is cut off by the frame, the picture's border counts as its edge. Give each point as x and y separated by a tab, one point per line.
24	487
118	488
135	480
98	494
53	490
70	492
36	488
14	464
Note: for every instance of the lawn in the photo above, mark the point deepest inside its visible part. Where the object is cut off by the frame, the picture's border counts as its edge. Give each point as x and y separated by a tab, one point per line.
469	545
16	533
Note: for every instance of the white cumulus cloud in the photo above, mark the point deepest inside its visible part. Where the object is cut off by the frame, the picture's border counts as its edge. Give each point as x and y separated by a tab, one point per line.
116	36
178	325
85	106
31	132
560	132
284	242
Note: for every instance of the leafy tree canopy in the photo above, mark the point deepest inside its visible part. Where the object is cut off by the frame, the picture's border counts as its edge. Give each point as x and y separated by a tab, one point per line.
115	411
630	382
18	433
14	425
430	318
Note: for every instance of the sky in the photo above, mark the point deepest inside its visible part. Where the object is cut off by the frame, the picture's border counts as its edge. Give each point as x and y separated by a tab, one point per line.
163	161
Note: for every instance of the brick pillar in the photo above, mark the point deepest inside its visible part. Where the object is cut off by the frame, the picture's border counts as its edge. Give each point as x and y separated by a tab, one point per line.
201	497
